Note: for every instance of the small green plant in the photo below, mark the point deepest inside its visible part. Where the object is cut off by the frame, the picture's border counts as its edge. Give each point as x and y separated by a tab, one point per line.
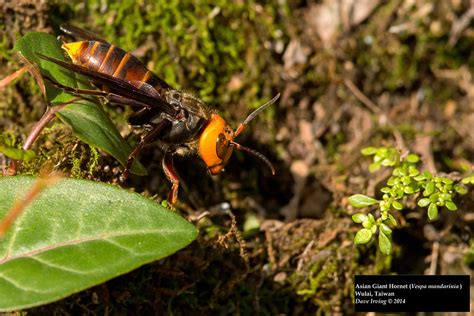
9	148
431	191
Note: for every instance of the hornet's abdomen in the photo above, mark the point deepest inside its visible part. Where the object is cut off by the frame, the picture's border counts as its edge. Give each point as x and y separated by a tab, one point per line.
108	59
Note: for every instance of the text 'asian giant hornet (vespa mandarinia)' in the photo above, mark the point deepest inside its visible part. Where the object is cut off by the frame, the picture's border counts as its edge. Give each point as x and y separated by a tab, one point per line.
178	119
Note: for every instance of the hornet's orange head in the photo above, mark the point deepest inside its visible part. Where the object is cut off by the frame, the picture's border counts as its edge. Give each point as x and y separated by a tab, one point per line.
217	141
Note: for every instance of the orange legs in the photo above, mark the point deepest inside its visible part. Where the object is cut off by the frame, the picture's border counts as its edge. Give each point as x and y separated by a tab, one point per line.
172	176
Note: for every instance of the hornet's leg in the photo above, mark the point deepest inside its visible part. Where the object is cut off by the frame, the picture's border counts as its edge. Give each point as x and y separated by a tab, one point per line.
147	139
172	176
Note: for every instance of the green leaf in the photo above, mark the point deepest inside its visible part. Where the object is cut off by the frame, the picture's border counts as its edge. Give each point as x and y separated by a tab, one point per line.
367	224
461	189
432	211
413	158
18	154
399	192
363	236
420	177
359	218
423	202
385	190
384	206
78	234
387	162
408	190
392	220
446	180
445	196
468	180
360	200
367	151
385	244
413	172
406	180
397	205
450	205
429	189
88	121
374	166
397	172
434	197
373	229
385	229
46	44
427	175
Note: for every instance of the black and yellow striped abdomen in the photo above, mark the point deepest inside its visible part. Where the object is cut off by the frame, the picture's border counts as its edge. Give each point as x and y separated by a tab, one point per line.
114	61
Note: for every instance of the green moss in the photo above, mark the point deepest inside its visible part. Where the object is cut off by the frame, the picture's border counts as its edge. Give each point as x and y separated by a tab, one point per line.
76	159
318	273
84	161
93	162
5	53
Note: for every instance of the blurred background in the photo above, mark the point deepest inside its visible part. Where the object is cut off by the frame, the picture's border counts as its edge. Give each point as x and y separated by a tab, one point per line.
351	73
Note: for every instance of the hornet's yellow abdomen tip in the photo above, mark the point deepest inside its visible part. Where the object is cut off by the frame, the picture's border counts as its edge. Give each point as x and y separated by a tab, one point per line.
73	49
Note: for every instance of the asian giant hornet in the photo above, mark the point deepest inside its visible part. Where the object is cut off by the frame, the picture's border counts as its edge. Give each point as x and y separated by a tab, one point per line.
178	119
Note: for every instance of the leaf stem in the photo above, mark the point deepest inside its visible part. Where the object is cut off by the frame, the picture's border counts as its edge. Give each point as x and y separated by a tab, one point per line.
36	131
20	205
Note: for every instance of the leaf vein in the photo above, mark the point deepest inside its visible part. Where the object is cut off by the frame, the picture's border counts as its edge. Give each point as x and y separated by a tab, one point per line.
58	267
121	246
163	233
18	285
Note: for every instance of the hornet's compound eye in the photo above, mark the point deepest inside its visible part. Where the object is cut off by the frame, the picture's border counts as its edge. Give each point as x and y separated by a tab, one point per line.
223	148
